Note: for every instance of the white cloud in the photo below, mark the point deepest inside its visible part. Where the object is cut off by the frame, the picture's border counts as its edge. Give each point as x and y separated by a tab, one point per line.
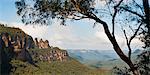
68	36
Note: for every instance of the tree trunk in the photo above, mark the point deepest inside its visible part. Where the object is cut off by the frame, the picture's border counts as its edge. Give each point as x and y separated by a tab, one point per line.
119	51
112	40
117	48
147	13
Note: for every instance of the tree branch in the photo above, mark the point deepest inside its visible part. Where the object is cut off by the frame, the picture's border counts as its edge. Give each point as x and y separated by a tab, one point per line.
138	6
113	17
128	45
77	17
108	8
129	40
133	12
116	47
134	35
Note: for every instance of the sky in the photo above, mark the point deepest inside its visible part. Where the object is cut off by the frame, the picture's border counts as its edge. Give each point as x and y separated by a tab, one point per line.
76	35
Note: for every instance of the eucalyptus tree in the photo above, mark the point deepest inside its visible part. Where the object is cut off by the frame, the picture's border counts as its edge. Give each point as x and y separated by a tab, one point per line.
113	12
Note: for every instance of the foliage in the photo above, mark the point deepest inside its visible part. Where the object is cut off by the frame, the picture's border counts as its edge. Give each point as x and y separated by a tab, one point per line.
10	30
70	67
121	71
146	39
142	63
42	11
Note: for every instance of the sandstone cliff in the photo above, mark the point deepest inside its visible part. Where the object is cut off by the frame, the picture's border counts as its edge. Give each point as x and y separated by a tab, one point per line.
19	44
50	54
16	37
41	44
15	47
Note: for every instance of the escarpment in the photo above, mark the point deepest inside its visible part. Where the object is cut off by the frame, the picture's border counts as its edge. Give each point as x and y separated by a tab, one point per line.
16	47
17	44
50	55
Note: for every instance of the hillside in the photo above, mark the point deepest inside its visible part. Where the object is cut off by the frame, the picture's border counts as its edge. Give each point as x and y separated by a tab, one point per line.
69	67
27	60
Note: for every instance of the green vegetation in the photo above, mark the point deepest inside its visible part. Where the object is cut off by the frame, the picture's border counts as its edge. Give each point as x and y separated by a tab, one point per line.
10	30
142	63
69	67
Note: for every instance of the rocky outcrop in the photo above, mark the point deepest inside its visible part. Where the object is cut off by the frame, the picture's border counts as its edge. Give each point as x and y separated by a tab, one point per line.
22	41
17	37
18	45
6	53
42	44
52	54
15	47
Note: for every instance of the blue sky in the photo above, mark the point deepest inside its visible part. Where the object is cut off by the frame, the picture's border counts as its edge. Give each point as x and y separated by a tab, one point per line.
76	35
8	11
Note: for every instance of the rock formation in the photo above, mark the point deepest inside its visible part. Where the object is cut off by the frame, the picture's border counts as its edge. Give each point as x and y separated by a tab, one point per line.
53	54
6	53
16	47
36	42
41	44
23	40
16	44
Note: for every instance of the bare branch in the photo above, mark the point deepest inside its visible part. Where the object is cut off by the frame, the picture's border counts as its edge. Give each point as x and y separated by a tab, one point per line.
138	6
128	45
113	17
94	24
129	40
125	35
134	35
131	28
133	12
76	17
108	8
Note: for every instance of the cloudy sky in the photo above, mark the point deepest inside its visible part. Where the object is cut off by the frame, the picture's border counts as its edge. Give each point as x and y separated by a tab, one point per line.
76	35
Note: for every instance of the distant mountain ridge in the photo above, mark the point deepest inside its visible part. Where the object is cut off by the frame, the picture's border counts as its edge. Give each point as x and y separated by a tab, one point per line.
99	58
94	54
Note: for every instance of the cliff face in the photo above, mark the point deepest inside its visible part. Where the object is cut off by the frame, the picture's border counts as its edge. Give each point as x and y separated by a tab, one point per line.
16	38
41	44
14	43
15	47
55	54
20	45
